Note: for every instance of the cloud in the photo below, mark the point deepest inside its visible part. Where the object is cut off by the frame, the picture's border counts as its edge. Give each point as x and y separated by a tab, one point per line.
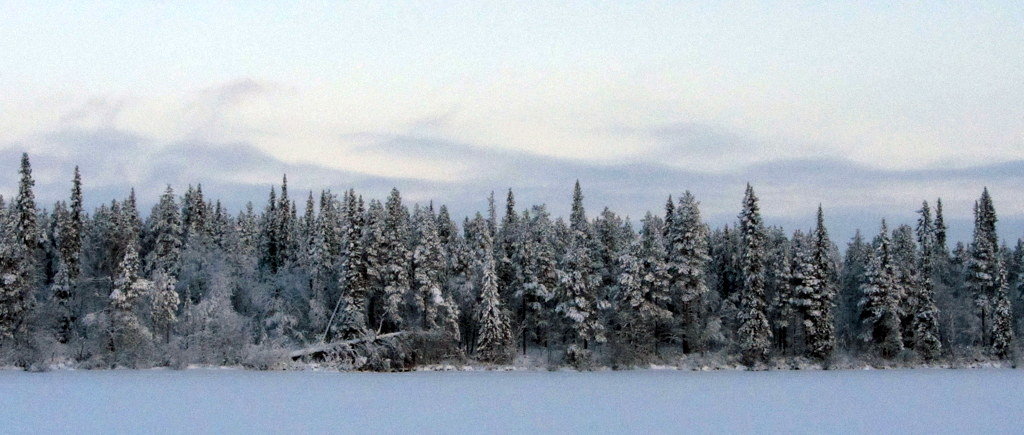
854	195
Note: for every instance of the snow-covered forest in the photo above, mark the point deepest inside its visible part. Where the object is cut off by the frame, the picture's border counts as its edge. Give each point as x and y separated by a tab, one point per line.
379	284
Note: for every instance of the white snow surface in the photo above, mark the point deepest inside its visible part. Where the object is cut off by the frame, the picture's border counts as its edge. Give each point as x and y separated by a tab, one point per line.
640	401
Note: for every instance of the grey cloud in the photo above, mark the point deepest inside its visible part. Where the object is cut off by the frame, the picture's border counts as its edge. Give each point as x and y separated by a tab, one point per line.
113	160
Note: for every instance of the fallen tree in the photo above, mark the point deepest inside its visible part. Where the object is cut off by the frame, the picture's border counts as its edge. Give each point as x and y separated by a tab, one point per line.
320	350
394	351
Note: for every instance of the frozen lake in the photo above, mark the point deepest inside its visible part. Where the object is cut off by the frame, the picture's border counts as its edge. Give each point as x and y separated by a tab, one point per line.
235	401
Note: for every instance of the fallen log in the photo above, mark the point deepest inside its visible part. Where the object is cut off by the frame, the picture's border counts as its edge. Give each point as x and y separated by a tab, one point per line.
321	349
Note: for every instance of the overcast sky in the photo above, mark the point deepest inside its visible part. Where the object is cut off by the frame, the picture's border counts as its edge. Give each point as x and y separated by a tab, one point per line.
867	108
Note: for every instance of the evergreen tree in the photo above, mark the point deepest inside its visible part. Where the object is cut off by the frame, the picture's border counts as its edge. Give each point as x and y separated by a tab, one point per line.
801	280
925	318
1002	323
61	293
396	260
437	309
670	213
940	228
540	279
754	333
165	303
880	302
373	246
355	285
982	278
71	231
125	333
195	216
905	261
494	340
271	251
687	261
165	228
577	301
641	302
25	215
17	256
817	304
851	280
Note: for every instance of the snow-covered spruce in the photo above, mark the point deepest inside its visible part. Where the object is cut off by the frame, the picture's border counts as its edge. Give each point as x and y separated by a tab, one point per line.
192	283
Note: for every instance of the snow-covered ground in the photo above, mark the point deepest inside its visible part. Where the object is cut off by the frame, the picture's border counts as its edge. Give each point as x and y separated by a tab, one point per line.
233	401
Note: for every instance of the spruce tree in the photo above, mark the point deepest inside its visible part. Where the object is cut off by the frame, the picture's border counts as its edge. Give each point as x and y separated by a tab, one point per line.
396	258
940	228
166	230
642	296
61	293
355	281
165	303
851	279
801	280
687	259
494	339
925	318
1002	322
373	246
754	333
880	301
817	305
125	332
905	261
540	281
25	214
18	256
982	278
428	269
577	301
71	230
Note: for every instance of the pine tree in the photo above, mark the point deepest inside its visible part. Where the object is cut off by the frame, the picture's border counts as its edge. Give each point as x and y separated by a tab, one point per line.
880	303
754	333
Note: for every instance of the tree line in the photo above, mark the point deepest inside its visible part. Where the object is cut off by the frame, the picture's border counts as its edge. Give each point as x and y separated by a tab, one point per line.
192	283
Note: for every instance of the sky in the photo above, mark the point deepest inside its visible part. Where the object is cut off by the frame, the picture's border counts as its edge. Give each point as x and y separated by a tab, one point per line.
867	108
